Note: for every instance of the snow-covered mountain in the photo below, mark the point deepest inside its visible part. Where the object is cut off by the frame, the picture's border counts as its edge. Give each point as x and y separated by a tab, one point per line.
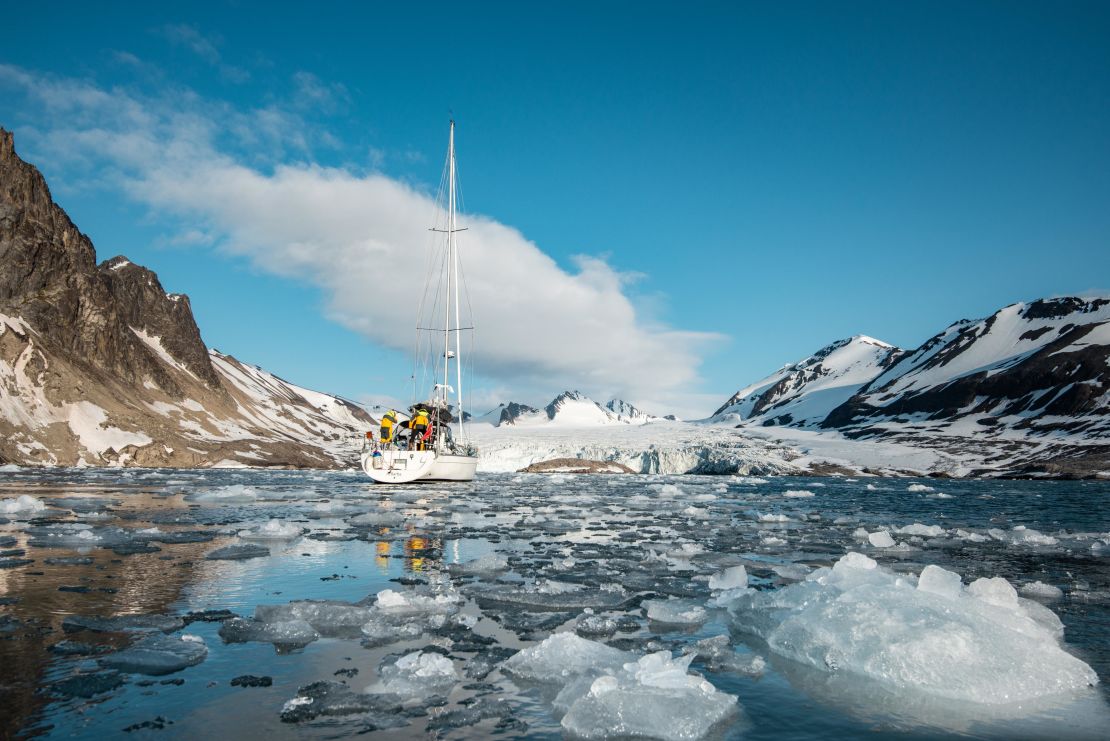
1038	368
627	413
99	365
803	394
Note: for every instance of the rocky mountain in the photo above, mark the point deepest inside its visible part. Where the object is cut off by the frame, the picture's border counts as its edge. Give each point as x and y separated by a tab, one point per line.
513	411
625	412
804	393
99	365
1025	390
1037	368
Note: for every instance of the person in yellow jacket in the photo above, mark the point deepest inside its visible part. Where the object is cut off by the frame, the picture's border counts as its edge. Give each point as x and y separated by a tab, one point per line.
389	423
419	426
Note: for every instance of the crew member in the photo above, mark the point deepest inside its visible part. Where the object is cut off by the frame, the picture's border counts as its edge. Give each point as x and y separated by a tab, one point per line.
419	426
389	422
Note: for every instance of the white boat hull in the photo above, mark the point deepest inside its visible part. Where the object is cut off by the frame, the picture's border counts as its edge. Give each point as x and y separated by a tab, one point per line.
409	466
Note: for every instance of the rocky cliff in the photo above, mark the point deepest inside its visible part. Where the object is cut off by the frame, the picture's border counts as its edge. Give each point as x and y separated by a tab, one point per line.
99	365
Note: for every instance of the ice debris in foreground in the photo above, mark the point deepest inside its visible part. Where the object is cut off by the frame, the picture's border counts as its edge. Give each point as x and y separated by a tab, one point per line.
609	693
272	530
980	643
24	503
158	655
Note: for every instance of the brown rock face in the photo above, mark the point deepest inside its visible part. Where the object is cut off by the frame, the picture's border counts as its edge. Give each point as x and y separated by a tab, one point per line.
103	366
51	280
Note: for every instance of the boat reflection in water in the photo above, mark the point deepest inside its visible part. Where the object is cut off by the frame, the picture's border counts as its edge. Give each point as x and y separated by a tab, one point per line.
420	552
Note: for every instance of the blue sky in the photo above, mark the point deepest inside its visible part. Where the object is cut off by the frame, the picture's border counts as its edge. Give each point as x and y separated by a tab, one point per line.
747	182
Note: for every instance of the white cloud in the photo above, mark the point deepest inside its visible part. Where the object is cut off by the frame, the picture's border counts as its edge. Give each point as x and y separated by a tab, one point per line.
363	239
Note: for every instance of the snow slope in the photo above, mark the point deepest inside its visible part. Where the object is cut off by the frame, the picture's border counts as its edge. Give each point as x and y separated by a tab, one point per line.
804	393
1030	369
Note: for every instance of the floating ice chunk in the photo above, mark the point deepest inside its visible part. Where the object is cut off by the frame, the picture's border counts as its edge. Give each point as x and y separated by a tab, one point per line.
122	623
919	487
158	655
284	634
654	697
930	531
491	563
734	577
985	646
329	618
938	495
939	581
770	517
233	494
565	655
970	536
719	656
797	493
595	625
238	552
675	612
871	487
272	530
414	603
1022	534
416	674
994	591
1040	590
387	519
23	504
880	539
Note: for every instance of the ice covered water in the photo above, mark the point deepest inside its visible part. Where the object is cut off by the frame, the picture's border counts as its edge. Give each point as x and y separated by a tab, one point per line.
551	605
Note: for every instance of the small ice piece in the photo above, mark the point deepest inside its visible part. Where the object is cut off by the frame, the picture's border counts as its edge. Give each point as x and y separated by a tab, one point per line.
234	494
771	517
414	603
331	698
238	552
332	619
491	563
880	539
654	697
995	591
157	655
930	531
22	505
122	623
797	493
719	656
675	612
284	634
1024	535
984	646
734	577
919	487
415	675
272	530
939	581
1040	590
562	656
595	626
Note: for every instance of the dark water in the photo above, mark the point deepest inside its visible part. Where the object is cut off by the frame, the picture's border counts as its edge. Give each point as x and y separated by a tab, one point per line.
593	533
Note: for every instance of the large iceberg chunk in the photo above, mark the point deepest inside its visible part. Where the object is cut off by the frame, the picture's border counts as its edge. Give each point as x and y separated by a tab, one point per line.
979	644
609	693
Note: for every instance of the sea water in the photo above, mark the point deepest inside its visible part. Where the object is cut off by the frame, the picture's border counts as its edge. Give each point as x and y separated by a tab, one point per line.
242	603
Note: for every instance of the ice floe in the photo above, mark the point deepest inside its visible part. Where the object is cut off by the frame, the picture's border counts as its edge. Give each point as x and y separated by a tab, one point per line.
979	644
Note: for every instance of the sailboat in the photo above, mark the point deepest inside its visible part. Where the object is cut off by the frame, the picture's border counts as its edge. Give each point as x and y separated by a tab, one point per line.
442	450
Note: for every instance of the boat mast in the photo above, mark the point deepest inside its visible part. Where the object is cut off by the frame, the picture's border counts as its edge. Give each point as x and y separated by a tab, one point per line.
455	270
450	268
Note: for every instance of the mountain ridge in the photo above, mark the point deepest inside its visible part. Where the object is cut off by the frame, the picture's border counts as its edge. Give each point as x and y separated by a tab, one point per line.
99	365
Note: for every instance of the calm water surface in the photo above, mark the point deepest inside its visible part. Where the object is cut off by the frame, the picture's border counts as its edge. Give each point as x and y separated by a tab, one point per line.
133	543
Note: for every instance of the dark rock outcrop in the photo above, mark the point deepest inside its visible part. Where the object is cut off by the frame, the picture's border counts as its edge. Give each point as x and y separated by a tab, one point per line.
103	366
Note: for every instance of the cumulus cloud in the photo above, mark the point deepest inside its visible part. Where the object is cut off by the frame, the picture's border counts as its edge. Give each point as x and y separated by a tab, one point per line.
362	238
